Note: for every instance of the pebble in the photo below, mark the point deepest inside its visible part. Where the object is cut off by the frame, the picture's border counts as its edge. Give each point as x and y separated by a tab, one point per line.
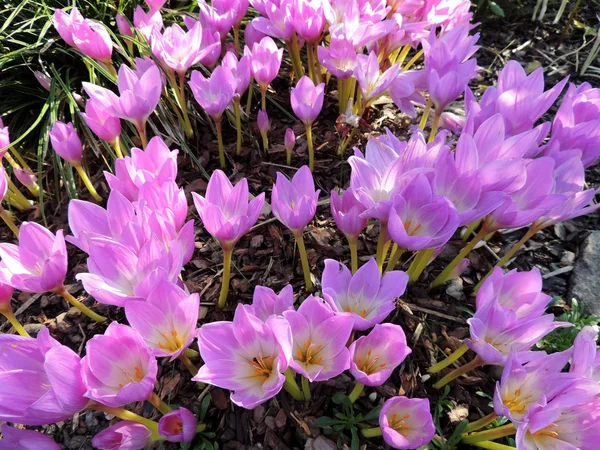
585	282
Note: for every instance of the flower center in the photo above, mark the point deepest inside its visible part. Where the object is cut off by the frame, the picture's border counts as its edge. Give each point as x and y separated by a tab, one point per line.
309	352
408	225
397	423
516	403
371	364
263	367
172	342
132	379
549	431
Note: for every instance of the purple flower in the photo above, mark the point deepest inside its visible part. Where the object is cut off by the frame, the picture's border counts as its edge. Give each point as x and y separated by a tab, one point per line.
147	22
246	356
65	23
277	21
307	100
307	19
339	58
266	303
91	38
372	82
404	92
406	422
374	357
25	177
225	211
289	139
262	121
294	202
178	425
166	320
105	126
220	15
44	80
20	439
366	296
41	383
265	61
251	34
346	211
118	367
419	219
215	93
586	358
124	435
38	264
240	71
66	143
123	26
6	293
319	340
177	49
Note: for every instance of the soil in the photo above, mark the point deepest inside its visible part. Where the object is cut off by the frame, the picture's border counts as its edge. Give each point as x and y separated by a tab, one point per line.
433	321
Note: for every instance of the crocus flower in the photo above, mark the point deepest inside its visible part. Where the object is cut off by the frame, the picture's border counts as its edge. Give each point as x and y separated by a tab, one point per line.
166	320
6	293
26	178
147	22
65	23
118	367
266	303
44	80
294	202
319	340
4	139
265	62
225	210
240	70
105	126
252	35
366	296
289	142
20	439
419	219
371	81
307	19
38	264
307	100
178	425
215	93
246	356
339	58
586	358
346	211
123	25
277	20
155	4
404	92
66	143
126	435
139	94
41	383
406	422
374	357
219	15
91	38
264	125
176	49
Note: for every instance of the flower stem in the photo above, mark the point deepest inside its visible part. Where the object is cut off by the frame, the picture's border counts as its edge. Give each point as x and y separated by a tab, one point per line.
116	145
419	263
443	276
311	152
236	39
402	55
15	323
353	243
487	435
143	136
187	126
358	388
238	126
346	141
291	386
304	259
435	126
249	99
128	415
220	142
371	432
8	220
477	424
191	353
423	121
158	403
18	195
306	389
342	102
295	56
13	163
88	183
77	304
188	364
453	357
263	99
225	280
397	253
492	445
413	60
477	362
469	231
379	256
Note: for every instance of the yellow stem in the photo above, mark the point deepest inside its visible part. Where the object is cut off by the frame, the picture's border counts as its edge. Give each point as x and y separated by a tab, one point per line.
143	136
236	39
477	362
88	183
306	389
358	388
423	121
77	304
353	243
263	99
15	323
304	259
158	403
450	359
397	253
291	386
487	435
480	423
419	263
187	126
434	127
311	151
188	364
238	126
380	256
191	353
220	142
10	198
17	193
402	55
413	60
226	275
8	220
470	229
492	445
128	415
249	100
295	55
371	432
12	162
116	145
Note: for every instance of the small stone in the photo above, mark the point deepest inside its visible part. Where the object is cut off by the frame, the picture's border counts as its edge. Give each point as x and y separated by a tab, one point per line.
280	418
257	240
258	413
585	282
567	258
320	443
458	414
270	422
34	328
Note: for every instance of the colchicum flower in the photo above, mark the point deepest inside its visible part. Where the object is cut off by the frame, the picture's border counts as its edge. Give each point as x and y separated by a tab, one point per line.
126	434
178	425
20	439
307	101
406	423
266	303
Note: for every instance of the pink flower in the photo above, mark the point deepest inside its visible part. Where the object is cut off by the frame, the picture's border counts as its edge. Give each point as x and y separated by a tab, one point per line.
124	435
38	264
65	23
66	143
104	125
177	49
346	211
91	38
44	80
215	93
374	357
20	439
178	425
294	202
307	99
220	15
339	58
406	422
25	177
123	25
225	211
265	61
6	293
118	367
147	22
262	121
252	35
266	303
240	70
308	19
41	381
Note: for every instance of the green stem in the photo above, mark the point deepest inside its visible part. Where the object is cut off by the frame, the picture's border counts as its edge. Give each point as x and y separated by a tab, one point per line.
379	256
236	39
188	364
291	386
225	280
346	141
158	403
116	145
423	121
18	194
450	359
187	126
470	229
249	100
8	220
200	428
443	276
353	243
477	362
304	259
419	263
238	125
220	142
15	323
492	445
480	423
311	152
402	55
128	415
358	388
306	389
371	432
487	435
191	353
295	55
265	139
77	304
397	253
341	96
436	123
413	60
88	183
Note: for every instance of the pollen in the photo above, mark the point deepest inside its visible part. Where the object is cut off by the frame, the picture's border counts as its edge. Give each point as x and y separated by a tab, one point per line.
309	353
